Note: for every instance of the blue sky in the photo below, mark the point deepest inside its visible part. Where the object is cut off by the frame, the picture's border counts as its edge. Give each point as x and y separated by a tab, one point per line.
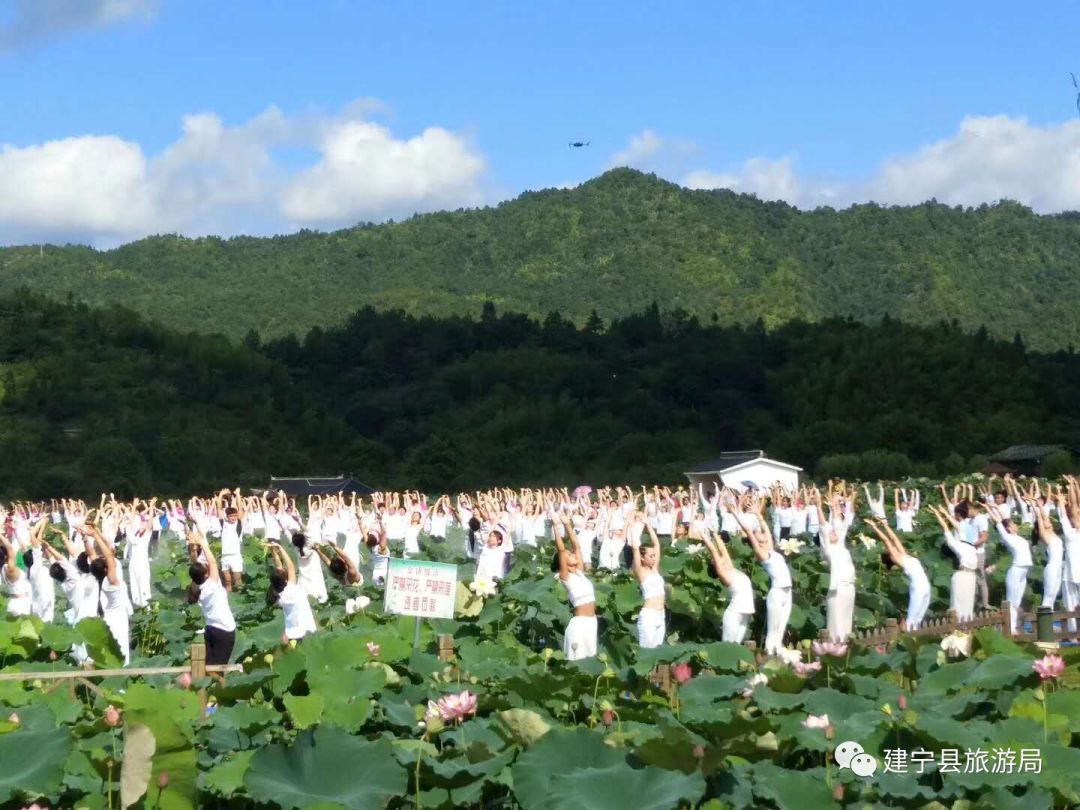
814	103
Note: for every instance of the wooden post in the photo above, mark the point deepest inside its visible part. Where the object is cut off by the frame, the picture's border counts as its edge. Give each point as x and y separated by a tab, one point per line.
446	647
198	670
198	660
1006	624
661	677
892	630
953	622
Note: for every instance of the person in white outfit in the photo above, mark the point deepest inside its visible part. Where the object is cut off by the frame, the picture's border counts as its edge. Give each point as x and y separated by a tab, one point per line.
877	505
284	591
740	609
962	587
114	603
310	569
1068	510
137	531
1016	576
16	582
580	640
778	599
840	601
651	621
1055	559
918	583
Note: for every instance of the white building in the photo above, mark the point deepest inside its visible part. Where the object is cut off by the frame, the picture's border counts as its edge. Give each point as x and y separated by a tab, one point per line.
741	468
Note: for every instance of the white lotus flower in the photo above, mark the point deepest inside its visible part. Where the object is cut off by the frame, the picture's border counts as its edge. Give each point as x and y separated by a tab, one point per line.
791	546
695	548
483	587
353	605
757	679
867	541
789	656
957	644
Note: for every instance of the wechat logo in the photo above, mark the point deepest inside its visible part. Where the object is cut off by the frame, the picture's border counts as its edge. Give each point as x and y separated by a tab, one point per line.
851	755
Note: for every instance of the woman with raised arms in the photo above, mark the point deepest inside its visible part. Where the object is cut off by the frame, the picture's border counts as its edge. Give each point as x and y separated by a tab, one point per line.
580	640
651	621
299	620
918	583
840	601
740	609
778	600
964	581
213	599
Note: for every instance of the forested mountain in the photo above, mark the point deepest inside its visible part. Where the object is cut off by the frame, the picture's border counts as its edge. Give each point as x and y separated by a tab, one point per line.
100	399
615	244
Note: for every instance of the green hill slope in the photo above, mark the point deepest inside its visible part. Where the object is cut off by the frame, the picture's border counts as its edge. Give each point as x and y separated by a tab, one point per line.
616	244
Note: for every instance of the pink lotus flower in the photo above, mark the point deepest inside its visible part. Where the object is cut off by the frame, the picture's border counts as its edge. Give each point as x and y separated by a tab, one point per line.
1050	668
373	649
816	721
835	649
184	680
14	719
608	717
52	655
804	670
682	672
838	791
112	716
454	708
163	780
902	701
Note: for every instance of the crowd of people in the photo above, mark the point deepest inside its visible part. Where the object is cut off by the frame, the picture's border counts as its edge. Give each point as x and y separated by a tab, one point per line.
99	557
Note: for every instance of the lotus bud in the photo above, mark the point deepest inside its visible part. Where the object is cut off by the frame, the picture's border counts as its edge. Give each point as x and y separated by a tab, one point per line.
902	702
269	658
112	716
547	653
608	716
14	719
184	680
163	780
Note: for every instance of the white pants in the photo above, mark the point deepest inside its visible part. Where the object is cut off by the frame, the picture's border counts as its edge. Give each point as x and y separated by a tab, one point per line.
580	639
139	582
1051	583
840	611
650	627
233	563
1015	585
962	594
777	614
117	621
1070	591
735	625
918	604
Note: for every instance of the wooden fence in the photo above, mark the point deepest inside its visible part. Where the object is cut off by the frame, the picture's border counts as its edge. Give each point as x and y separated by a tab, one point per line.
941	626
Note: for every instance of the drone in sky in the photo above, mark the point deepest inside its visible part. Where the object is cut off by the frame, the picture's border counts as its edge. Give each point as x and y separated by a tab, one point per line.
579	144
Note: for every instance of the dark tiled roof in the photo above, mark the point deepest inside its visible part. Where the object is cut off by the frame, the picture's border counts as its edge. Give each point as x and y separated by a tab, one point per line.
1026	452
725	460
319	485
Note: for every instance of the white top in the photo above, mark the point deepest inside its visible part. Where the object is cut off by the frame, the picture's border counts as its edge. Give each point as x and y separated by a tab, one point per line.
1055	551
1072	548
742	593
439	523
491	564
965	552
114	598
798	520
652	586
841	567
579	589
1018	547
918	584
777	568
230	538
214	601
905	520
412	539
20	595
299	620
665	522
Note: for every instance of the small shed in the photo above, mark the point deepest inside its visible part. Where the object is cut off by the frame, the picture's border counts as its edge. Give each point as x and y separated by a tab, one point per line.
738	468
319	485
1024	459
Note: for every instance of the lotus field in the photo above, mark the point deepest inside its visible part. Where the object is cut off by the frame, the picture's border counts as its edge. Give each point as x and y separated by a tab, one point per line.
354	717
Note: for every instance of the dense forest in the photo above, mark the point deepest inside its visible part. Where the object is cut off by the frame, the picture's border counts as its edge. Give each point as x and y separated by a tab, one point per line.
617	244
100	398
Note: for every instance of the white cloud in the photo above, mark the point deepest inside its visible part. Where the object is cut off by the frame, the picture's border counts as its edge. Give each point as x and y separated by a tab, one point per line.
225	180
652	152
989	158
365	173
86	185
35	20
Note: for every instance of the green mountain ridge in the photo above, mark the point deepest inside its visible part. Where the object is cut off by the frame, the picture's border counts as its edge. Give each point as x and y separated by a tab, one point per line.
616	244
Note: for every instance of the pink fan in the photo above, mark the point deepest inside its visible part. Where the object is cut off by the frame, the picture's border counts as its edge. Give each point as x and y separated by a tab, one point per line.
582	491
